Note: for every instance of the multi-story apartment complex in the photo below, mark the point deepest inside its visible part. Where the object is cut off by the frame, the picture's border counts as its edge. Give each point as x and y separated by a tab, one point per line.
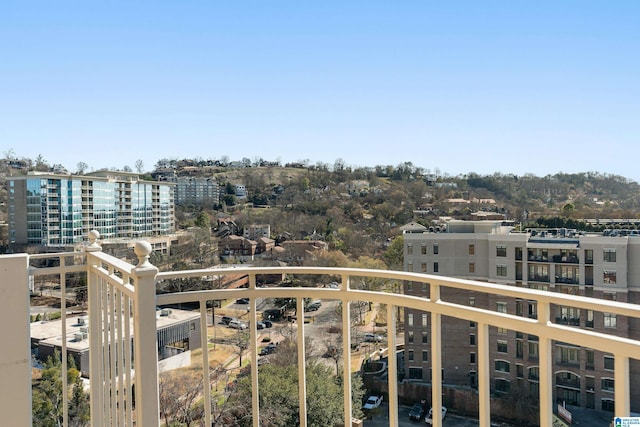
60	209
605	265
197	190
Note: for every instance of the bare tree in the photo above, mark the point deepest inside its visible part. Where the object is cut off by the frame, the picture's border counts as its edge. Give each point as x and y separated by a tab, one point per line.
139	166
81	167
179	392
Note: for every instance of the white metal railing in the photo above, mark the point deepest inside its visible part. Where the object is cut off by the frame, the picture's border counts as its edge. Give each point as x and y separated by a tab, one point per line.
119	292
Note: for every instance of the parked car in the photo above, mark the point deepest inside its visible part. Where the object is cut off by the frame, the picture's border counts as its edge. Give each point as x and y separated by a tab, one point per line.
417	412
372	402
237	324
369	337
267	323
314	306
429	418
271	348
260	325
242	301
226	319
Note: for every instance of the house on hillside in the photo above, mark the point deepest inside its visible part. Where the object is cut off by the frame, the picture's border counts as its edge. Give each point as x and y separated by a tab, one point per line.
238	246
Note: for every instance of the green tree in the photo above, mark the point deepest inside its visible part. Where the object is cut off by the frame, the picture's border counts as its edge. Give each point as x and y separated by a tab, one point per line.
48	396
279	397
394	255
203	220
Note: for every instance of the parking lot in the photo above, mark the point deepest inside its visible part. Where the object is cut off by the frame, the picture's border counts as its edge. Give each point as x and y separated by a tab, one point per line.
380	418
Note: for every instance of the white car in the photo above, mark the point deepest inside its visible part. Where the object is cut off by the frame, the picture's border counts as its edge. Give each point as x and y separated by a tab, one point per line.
429	417
237	324
372	402
368	337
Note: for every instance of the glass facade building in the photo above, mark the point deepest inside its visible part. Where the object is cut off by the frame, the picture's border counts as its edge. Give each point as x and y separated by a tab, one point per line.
58	210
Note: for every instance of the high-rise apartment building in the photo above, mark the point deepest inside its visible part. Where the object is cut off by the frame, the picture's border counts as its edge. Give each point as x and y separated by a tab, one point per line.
60	209
197	190
604	265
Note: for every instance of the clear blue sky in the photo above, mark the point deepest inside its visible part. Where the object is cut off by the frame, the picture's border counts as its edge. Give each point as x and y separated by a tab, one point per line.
463	86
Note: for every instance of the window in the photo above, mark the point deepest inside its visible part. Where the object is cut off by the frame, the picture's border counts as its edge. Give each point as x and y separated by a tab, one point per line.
472	267
610	320
411	355
409	286
590	383
533	350
589	322
472	301
472	249
609	363
501	250
501	307
501	270
588	256
589	355
472	339
425	337
472	324
608	405
502	385
410	249
609	255
472	358
501	330
415	373
423	267
423	249
424	319
435	267
519	307
410	319
519	371
435	249
534	373
569	355
609	277
410	336
425	356
519	349
608	384
502	366
410	266
502	347
425	286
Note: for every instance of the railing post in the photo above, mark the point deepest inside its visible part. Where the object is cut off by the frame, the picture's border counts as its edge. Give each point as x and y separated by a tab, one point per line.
484	379
436	359
393	366
145	339
15	369
621	386
96	393
546	369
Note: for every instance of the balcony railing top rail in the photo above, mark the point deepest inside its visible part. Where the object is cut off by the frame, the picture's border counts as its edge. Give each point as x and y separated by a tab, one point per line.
119	290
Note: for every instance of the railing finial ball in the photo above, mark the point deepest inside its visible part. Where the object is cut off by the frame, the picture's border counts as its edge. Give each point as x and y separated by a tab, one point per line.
142	250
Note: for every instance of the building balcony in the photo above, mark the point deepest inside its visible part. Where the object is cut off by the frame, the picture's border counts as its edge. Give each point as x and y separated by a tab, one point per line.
122	301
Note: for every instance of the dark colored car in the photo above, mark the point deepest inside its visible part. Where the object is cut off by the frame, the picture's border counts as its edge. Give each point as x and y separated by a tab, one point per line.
226	319
242	301
267	323
417	412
